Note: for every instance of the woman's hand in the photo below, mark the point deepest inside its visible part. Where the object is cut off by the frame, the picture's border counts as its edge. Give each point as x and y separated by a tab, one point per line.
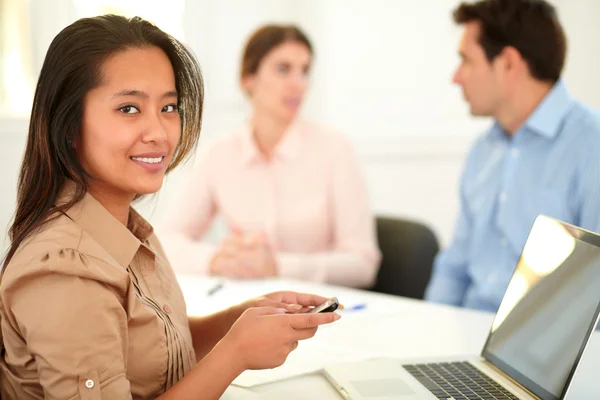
285	301
263	337
292	302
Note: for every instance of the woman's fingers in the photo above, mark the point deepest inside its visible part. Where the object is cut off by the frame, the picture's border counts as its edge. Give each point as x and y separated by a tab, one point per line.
306	321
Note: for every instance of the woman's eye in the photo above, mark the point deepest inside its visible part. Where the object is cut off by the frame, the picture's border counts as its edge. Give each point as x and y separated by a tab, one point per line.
283	68
170	108
129	110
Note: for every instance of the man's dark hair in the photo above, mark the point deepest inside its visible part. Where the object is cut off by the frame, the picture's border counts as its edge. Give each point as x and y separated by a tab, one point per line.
530	26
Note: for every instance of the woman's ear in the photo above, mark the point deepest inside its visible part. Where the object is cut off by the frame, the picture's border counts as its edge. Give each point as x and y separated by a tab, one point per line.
248	84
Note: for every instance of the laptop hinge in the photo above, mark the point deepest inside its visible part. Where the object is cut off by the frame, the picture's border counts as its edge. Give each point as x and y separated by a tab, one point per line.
505	375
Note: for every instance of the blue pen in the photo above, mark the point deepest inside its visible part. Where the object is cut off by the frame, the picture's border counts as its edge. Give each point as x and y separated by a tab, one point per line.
356	307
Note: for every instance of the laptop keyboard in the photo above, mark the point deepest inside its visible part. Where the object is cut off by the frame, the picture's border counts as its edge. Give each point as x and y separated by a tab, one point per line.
458	380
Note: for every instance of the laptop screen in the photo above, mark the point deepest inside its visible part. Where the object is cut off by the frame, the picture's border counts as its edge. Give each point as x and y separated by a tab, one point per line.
549	310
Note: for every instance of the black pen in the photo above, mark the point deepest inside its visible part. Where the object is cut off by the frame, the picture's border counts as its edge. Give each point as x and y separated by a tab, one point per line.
215	289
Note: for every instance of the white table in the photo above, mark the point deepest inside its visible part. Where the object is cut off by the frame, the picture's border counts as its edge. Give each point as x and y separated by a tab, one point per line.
389	326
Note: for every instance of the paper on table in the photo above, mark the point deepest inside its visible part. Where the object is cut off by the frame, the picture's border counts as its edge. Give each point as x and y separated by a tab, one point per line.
310	356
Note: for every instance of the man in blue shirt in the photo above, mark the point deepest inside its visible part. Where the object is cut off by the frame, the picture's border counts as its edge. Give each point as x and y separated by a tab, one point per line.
541	156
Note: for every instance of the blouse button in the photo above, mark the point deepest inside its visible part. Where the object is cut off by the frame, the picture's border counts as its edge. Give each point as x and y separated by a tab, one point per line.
167	309
89	384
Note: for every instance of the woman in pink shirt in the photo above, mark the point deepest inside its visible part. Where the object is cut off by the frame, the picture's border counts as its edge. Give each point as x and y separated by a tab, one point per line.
292	193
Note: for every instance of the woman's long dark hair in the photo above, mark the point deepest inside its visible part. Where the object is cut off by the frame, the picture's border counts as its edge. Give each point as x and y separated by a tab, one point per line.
72	68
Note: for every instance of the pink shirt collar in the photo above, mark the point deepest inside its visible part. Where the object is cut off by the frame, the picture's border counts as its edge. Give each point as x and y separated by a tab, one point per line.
287	148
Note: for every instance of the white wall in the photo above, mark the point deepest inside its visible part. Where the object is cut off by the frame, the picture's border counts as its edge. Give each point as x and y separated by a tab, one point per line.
12	142
382	75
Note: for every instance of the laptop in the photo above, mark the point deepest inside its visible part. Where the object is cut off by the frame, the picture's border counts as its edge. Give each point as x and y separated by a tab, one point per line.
545	320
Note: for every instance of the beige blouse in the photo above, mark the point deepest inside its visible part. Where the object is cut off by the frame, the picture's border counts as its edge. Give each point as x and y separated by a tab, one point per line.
91	309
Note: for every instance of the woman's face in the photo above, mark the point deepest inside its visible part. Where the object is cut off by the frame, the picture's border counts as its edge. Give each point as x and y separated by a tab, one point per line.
281	81
131	123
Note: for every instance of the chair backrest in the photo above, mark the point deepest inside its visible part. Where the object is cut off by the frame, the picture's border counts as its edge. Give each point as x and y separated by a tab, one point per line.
408	249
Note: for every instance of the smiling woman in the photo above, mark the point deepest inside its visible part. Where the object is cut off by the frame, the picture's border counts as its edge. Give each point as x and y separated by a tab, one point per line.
89	138
127	142
89	305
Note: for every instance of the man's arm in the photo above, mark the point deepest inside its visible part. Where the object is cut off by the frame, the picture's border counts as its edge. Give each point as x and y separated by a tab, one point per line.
450	280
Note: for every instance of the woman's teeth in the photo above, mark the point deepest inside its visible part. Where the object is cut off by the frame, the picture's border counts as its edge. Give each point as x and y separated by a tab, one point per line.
155	160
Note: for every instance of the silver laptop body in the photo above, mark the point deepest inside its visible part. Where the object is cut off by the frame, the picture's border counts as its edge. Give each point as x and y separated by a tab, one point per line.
539	334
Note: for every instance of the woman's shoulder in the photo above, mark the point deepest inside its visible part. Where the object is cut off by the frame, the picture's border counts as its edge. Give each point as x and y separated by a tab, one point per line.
55	235
59	247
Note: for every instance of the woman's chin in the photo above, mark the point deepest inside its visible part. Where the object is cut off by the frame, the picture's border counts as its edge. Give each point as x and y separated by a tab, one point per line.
149	187
288	115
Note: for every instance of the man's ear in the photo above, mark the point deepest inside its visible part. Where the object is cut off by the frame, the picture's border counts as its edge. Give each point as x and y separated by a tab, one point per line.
513	62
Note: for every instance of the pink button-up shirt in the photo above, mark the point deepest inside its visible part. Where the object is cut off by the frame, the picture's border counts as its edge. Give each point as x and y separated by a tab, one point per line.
309	199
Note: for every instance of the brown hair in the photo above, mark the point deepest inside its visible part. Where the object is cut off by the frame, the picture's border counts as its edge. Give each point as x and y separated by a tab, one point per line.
72	68
265	39
530	26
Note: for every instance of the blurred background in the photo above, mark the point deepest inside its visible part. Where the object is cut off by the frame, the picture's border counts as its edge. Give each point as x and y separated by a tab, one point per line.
381	74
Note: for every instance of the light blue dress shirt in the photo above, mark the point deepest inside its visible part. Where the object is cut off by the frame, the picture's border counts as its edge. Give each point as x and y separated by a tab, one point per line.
550	166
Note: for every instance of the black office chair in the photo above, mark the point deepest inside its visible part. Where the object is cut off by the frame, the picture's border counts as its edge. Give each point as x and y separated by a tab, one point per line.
408	249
